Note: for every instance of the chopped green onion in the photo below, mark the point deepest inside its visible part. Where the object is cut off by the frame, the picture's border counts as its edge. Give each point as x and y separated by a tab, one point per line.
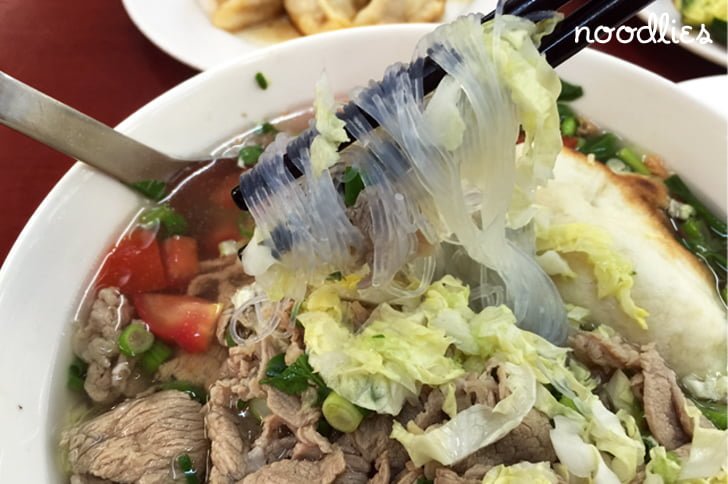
633	160
241	404
569	125
167	217
249	155
267	128
353	185
678	189
152	189
335	276
229	341
153	358
293	379
603	147
424	480
324	428
195	391
340	413
135	339
570	92
568	402
185	464
716	412
77	374
261	80
565	111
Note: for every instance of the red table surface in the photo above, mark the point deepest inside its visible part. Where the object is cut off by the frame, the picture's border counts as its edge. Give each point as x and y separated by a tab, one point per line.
88	54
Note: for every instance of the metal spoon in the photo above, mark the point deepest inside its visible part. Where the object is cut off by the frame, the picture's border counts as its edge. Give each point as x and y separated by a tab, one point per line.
71	132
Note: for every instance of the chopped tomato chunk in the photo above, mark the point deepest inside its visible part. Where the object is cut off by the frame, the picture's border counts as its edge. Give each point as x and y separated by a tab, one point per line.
185	320
134	265
180	259
570	141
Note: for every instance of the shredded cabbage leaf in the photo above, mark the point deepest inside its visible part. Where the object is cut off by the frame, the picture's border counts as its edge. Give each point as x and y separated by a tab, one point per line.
708	452
538	473
381	366
331	133
474	427
663	467
612	270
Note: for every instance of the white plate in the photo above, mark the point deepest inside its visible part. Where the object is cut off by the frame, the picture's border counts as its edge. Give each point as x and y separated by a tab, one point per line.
713	52
61	246
712	91
183	30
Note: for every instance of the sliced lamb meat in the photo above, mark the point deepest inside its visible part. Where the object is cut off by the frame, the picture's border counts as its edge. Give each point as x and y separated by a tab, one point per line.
477	472
529	441
432	412
311	444
290	471
227	447
218	279
410	475
371	440
138	440
598	351
384	473
356	471
473	389
198	368
95	341
241	373
85	479
664	402
448	476
291	409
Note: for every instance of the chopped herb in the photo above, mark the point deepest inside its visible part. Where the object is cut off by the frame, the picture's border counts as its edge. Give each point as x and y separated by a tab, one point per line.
678	189
378	336
229	341
152	189
241	405
570	92
185	464
77	374
267	128
341	414
565	111
335	276
294	379
195	391
716	412
324	428
249	155
633	160
261	80
569	125
353	185
172	222
424	480
153	358
603	147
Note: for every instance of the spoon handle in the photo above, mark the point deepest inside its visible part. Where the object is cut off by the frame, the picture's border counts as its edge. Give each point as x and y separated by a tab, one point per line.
71	132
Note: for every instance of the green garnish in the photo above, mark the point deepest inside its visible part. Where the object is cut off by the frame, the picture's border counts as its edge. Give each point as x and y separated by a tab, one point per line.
678	189
172	222
353	185
340	413
335	276
261	80
153	358
152	189
135	339
633	160
195	391
569	125
565	111
716	412
249	155
294	379
77	374
295	310
570	92
229	341
185	464
267	128
424	480
603	147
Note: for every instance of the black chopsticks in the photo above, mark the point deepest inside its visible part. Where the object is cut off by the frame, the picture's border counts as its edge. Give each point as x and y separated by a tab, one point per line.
557	47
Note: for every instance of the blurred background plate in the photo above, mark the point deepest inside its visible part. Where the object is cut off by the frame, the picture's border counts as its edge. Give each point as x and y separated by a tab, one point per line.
713	52
712	91
182	29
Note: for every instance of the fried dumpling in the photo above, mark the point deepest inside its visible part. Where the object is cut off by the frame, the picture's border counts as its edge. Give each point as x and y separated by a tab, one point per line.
234	15
686	319
393	11
314	16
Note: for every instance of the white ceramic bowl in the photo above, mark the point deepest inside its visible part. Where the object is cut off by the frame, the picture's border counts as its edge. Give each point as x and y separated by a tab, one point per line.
58	251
